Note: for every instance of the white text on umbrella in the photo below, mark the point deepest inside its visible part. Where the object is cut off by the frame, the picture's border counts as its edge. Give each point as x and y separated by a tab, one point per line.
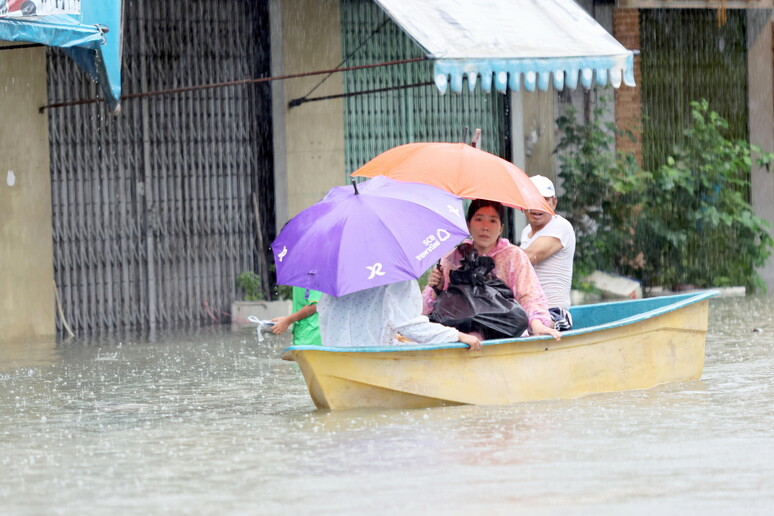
376	270
432	243
283	253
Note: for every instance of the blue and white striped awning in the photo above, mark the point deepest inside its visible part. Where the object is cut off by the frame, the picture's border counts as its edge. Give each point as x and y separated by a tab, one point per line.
513	43
92	39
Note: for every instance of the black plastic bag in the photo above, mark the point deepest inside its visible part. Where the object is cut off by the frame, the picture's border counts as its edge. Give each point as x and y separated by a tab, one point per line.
477	300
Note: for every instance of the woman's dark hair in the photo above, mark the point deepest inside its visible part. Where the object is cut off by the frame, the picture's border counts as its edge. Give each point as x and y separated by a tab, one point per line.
477	204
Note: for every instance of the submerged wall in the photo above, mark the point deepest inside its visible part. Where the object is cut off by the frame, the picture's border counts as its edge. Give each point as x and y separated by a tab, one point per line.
309	138
26	268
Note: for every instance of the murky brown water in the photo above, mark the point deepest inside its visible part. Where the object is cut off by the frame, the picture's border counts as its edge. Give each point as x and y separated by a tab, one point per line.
215	423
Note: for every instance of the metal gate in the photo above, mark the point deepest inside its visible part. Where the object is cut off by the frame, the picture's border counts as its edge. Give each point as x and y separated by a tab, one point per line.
404	112
153	209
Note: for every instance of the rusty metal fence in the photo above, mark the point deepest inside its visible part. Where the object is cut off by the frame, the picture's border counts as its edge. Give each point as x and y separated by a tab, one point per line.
154	210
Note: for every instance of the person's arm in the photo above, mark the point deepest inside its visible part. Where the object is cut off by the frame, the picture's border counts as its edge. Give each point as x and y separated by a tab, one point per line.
542	248
538	328
473	343
421	331
437	282
524	283
428	300
403	300
281	324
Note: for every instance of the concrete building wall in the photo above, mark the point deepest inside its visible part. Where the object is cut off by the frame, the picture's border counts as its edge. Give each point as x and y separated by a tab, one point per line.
760	59
27	300
308	139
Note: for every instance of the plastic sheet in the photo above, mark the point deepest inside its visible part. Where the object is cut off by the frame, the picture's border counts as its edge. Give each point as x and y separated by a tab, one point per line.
477	301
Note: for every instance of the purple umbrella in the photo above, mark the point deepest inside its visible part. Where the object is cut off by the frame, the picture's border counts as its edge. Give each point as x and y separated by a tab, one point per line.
376	233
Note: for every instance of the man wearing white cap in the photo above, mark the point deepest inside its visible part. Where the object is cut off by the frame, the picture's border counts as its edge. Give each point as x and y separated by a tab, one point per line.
549	241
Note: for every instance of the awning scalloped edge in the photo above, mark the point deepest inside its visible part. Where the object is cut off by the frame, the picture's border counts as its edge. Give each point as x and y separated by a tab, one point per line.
534	73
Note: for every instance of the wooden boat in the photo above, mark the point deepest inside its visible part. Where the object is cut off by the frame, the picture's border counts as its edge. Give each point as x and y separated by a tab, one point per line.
613	347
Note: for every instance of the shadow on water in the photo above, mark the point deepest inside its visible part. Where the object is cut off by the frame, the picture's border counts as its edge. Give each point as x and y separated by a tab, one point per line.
211	420
25	354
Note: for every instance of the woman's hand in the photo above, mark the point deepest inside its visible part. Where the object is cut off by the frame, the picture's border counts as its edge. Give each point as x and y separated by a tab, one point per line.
538	328
435	280
473	343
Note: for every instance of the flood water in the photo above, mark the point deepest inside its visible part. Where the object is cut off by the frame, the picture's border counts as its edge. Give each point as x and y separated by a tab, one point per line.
213	422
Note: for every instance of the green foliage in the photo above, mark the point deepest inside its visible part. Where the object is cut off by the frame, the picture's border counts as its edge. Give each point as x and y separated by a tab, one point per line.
601	193
283	292
250	282
689	221
697	226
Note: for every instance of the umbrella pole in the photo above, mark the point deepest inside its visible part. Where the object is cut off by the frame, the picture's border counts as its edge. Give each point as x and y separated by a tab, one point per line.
476	140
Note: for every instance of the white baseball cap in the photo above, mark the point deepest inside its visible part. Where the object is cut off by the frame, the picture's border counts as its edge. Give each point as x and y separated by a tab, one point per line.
544	186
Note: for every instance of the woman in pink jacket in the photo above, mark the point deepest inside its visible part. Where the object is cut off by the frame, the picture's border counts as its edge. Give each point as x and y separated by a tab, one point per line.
511	265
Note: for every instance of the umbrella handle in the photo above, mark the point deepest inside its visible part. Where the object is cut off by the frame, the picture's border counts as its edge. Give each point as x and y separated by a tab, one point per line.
438	290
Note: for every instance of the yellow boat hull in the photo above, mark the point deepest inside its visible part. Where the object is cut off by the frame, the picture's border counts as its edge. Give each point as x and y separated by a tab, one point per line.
636	352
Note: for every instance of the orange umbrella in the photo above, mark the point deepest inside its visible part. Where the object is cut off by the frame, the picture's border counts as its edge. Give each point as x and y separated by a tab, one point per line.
460	169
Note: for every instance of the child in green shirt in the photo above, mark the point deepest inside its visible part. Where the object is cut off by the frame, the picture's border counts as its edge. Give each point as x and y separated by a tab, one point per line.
306	329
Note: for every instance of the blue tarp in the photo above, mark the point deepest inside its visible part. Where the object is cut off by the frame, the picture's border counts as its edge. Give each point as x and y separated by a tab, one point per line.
97	53
513	43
